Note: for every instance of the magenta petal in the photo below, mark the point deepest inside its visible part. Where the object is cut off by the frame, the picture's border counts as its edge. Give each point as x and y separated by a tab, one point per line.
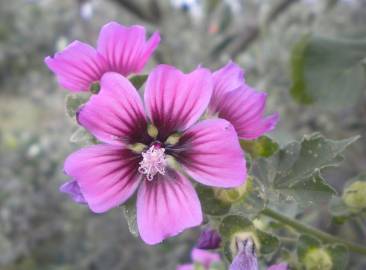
174	100
72	188
244	108
116	114
205	258
212	154
126	48
107	175
77	66
166	206
226	79
280	266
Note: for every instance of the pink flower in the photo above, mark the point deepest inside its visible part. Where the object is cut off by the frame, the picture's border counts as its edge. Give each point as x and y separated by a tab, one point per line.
202	257
109	173
119	48
237	102
246	258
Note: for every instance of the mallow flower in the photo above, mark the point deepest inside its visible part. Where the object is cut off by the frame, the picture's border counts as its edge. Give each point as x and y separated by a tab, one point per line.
246	258
155	150
234	100
121	49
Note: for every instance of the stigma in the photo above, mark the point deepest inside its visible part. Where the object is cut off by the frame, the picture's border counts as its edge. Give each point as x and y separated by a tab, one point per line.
153	162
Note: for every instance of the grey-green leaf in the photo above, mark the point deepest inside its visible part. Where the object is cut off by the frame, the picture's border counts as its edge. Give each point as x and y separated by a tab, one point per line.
340	256
211	205
310	190
74	101
129	210
82	137
294	171
328	71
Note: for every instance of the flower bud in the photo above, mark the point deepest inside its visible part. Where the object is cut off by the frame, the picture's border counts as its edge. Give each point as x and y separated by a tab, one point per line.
246	257
233	194
209	239
318	258
243	236
354	196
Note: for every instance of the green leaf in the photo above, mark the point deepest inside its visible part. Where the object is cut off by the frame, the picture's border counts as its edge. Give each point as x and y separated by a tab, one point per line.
211	205
340	256
253	201
261	147
294	171
83	137
340	212
129	211
311	190
138	80
327	71
233	224
269	242
74	101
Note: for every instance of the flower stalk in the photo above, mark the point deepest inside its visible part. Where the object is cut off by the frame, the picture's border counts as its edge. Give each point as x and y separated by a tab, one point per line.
306	229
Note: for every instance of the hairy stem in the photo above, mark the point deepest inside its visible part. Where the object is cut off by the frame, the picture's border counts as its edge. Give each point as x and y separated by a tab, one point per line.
306	229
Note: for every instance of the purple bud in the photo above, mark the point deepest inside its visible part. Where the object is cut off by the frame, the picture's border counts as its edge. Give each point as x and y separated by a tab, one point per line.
72	189
246	257
209	239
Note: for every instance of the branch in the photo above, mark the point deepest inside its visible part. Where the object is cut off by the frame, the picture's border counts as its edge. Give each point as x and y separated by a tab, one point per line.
303	228
151	16
248	36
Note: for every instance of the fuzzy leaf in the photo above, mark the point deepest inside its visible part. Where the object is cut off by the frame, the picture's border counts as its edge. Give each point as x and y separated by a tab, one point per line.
129	211
253	201
294	171
211	205
83	137
340	256
74	101
311	190
328	72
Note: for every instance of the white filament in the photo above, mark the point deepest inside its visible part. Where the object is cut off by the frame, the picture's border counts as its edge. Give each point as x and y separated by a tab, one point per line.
153	162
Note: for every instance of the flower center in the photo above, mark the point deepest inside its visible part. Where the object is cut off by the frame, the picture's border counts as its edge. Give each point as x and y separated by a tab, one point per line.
153	162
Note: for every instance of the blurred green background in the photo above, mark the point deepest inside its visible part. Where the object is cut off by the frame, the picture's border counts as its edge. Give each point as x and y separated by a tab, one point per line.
41	229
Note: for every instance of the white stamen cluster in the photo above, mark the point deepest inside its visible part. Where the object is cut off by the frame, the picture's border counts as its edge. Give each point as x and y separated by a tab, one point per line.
153	162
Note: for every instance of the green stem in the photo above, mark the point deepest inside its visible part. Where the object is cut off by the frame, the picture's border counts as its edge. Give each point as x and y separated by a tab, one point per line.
303	228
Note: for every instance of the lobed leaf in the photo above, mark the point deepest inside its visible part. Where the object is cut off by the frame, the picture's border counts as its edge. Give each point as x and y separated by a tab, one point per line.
74	101
129	211
294	171
328	71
